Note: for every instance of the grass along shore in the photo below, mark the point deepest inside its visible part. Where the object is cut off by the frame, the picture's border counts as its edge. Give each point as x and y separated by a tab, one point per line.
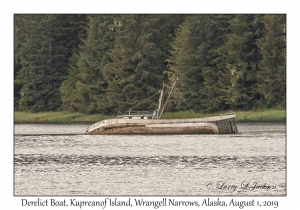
65	117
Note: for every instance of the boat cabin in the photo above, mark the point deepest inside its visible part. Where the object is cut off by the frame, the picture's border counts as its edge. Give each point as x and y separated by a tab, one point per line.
140	115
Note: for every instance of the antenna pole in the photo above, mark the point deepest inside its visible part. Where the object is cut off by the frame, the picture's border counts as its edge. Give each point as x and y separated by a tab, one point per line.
168	98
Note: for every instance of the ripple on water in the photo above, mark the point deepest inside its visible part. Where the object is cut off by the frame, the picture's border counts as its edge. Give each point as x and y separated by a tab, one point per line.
253	163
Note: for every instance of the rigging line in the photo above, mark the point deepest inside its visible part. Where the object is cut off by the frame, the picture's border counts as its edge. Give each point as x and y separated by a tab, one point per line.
165	91
144	100
186	102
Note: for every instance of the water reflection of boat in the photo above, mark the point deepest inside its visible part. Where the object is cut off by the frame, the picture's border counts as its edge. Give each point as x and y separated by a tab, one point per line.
151	123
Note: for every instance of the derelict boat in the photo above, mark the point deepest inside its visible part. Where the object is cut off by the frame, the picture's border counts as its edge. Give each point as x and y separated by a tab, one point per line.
151	123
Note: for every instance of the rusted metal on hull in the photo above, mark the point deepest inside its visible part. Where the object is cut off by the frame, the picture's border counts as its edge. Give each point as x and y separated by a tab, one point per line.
156	130
166	130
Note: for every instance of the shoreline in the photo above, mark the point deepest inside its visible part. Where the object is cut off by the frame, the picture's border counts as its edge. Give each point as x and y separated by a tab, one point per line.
270	115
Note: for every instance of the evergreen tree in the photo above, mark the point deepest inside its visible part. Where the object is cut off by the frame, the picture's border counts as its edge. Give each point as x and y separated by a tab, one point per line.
192	60
181	60
85	86
215	37
19	37
137	61
272	69
240	57
44	58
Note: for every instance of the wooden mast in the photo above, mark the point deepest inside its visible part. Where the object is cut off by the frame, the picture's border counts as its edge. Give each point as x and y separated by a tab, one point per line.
160	101
168	98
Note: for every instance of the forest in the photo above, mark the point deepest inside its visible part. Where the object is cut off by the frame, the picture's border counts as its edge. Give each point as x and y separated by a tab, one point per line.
109	63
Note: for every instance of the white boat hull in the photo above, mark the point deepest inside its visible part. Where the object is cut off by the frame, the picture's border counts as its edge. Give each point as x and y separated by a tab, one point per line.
209	125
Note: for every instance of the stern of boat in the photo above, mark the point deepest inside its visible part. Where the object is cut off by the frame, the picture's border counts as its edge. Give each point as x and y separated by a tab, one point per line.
227	123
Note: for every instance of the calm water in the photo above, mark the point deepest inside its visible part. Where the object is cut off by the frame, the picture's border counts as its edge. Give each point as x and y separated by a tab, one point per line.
61	160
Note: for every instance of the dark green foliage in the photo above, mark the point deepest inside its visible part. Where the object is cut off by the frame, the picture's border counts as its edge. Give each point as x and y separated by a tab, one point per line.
44	55
240	57
272	67
137	60
19	38
110	63
195	60
84	89
182	62
216	36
